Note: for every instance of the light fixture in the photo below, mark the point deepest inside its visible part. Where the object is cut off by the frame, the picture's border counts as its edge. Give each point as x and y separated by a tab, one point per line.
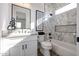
11	25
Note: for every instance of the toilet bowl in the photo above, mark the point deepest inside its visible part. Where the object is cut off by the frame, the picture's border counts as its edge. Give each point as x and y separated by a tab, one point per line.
46	47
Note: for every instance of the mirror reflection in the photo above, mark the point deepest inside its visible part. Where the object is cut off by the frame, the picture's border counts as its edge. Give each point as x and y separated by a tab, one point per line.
22	17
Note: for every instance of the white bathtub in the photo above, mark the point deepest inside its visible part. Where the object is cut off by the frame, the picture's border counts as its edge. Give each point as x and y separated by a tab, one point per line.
63	49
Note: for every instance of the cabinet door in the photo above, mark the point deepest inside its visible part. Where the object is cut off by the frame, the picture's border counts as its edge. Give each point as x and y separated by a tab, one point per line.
15	50
23	48
30	48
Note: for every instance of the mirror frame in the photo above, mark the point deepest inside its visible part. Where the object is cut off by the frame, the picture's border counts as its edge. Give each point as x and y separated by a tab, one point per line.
20	7
37	20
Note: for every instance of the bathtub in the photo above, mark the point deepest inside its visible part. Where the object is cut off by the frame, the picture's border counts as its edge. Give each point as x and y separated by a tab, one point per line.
63	49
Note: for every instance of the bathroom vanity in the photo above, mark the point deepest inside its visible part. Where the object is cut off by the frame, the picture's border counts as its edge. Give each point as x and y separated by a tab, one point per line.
19	46
20	41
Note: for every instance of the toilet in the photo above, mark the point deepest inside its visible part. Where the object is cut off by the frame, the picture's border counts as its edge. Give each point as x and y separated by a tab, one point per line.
46	46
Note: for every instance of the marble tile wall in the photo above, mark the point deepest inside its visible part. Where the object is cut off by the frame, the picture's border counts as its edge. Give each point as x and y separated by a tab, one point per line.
65	18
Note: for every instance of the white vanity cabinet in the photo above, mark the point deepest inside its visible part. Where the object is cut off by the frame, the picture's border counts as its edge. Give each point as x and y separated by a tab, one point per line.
19	46
27	47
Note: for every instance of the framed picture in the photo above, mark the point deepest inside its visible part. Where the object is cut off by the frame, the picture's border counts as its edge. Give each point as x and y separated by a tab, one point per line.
39	20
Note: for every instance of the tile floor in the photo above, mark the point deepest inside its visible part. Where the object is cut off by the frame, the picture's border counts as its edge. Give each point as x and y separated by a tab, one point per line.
51	53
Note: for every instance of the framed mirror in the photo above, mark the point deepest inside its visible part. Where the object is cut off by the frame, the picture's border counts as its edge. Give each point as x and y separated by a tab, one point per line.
39	20
22	17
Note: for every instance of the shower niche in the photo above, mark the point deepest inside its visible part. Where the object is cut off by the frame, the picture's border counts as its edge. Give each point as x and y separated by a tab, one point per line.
66	33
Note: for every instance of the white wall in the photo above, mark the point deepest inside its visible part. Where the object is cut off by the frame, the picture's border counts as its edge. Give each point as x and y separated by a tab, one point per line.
5	16
77	28
77	20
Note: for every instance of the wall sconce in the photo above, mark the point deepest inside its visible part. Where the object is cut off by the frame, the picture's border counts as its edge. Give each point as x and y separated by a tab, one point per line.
11	25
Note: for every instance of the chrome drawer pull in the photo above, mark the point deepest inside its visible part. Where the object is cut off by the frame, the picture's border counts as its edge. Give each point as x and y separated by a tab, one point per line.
22	47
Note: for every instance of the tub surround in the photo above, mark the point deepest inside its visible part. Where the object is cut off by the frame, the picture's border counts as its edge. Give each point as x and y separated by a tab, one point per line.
63	48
